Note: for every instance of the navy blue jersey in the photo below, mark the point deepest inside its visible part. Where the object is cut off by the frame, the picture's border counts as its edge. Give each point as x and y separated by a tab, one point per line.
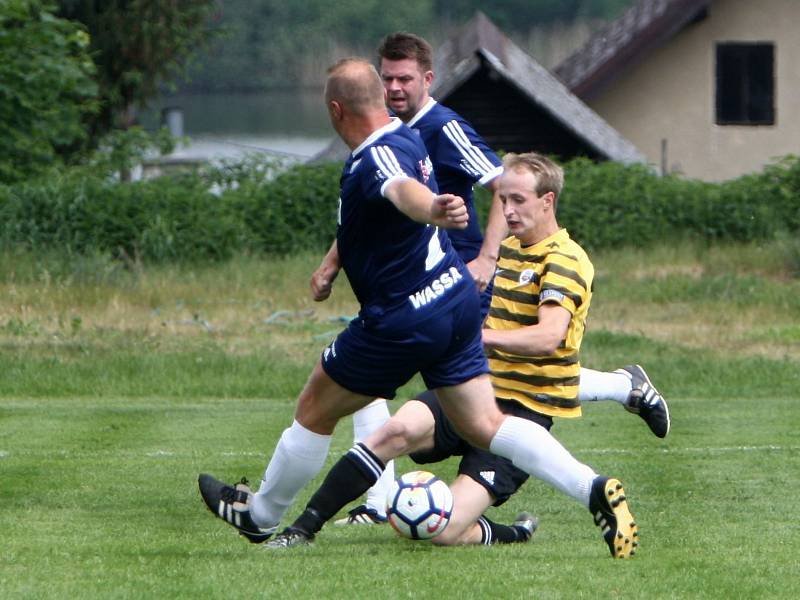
391	261
461	159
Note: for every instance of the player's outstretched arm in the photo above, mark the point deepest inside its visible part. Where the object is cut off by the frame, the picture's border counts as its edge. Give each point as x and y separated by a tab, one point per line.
418	203
482	266
322	279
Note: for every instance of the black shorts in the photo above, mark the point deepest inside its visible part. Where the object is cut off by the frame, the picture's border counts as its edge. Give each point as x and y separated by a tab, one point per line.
497	474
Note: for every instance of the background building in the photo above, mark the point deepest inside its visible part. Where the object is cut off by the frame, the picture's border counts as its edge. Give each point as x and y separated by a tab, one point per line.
707	88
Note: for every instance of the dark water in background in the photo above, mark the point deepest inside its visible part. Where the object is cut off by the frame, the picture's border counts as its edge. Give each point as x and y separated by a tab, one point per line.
282	122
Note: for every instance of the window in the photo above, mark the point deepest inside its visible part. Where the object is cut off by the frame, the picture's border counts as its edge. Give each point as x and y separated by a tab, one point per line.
745	84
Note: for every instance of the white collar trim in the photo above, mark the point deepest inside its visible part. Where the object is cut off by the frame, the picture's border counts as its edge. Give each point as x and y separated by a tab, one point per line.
422	112
389	127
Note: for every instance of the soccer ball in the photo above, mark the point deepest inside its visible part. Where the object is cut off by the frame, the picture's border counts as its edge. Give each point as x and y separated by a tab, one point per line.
418	505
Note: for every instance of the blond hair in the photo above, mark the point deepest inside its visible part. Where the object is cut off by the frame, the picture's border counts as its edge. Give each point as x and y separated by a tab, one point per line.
549	176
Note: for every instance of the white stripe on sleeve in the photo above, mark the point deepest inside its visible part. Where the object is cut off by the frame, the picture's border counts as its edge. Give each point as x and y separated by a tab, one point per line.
472	154
386	161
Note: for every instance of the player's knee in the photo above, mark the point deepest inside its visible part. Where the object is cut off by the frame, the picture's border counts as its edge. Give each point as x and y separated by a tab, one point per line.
479	433
393	439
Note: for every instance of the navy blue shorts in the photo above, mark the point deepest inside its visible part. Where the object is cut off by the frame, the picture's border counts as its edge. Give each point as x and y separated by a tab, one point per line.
376	356
497	474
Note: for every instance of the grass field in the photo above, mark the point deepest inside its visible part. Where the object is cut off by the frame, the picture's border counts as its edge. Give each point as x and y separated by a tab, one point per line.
117	386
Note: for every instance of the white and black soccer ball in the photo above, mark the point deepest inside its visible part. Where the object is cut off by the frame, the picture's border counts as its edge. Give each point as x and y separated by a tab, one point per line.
419	505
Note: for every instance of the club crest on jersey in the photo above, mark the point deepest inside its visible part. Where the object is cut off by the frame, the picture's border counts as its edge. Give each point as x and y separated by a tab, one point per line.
526	276
426	168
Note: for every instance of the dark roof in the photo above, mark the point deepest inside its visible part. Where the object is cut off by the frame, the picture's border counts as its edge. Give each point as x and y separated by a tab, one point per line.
622	43
481	45
467	67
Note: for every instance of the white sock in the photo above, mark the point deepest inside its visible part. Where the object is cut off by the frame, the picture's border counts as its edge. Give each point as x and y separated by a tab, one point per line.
534	450
596	386
366	421
297	459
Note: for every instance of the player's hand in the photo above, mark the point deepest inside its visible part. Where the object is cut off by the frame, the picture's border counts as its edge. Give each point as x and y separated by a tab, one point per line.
322	282
450	211
482	270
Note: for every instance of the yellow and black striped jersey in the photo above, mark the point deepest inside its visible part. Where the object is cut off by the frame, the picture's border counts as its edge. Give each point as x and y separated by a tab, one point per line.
555	270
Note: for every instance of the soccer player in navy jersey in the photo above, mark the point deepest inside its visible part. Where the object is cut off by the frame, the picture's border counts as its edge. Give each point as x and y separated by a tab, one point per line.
461	159
533	336
419	314
419	309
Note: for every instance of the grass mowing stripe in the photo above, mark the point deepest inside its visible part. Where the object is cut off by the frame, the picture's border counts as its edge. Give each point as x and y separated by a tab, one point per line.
674	369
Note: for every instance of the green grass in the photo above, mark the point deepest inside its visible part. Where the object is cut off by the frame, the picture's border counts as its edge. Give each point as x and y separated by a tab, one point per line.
99	500
118	386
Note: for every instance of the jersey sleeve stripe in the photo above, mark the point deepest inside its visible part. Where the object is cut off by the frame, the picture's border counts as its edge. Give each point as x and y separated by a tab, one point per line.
392	158
466	143
493	174
386	161
465	146
564	272
475	157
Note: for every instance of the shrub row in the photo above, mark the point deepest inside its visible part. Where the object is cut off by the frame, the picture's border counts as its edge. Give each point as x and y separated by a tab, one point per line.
610	204
174	217
264	211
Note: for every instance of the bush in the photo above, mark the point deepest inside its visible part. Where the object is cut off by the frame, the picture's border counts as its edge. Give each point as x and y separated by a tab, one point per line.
171	218
269	208
608	204
293	211
47	88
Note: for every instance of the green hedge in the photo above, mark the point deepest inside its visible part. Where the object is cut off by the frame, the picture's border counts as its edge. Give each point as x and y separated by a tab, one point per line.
263	209
158	220
608	204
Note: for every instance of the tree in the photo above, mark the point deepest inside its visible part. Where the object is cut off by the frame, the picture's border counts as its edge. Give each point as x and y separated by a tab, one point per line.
283	44
137	45
46	87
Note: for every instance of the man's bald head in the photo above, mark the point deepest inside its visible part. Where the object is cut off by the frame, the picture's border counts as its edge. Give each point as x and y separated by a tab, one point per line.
355	84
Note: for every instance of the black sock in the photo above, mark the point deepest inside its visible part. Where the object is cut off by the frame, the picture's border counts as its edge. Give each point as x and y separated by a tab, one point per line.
350	477
495	533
